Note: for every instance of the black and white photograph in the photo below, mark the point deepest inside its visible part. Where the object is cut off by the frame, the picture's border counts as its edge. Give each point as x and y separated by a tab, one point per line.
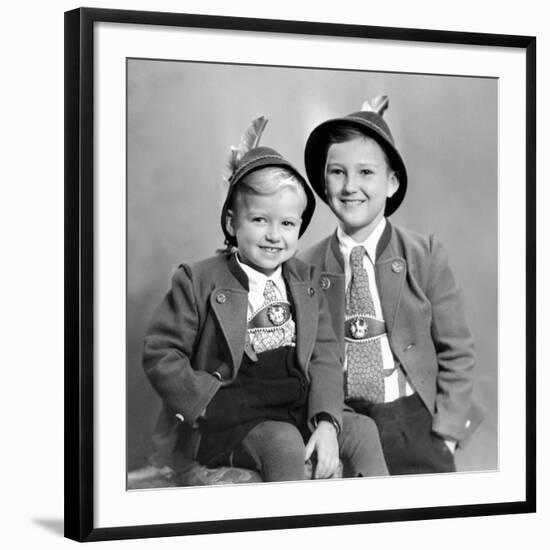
414	182
300	275
274	275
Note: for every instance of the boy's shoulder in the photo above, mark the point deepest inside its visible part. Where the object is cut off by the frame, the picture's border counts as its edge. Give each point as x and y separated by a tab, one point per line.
206	265
407	242
219	266
401	241
204	274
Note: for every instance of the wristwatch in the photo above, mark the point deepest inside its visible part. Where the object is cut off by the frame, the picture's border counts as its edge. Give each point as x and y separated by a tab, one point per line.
327	417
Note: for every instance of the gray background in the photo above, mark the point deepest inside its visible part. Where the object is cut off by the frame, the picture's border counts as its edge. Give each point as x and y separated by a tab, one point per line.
182	119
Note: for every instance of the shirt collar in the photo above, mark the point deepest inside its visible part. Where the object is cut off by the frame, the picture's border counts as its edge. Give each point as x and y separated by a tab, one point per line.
257	280
370	243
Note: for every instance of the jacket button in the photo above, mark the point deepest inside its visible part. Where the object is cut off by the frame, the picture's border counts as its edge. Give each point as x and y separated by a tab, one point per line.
221	298
324	282
397	267
180	417
311	291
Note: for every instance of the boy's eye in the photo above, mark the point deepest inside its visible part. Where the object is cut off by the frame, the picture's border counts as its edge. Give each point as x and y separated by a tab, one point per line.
258	219
335	171
289	223
366	172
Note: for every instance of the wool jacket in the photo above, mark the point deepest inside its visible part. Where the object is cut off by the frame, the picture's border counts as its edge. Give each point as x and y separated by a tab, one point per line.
200	327
425	320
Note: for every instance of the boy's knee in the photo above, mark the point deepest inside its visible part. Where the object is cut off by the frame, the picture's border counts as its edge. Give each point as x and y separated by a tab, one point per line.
277	435
358	425
286	436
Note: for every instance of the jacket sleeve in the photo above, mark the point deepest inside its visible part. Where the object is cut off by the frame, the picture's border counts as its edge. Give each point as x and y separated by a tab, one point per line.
454	347
325	368
168	349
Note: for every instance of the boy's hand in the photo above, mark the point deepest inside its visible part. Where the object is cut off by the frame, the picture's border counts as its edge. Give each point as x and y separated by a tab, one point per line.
324	443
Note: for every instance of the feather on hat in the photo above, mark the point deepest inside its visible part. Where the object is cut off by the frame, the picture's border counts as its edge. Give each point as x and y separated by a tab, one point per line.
249	156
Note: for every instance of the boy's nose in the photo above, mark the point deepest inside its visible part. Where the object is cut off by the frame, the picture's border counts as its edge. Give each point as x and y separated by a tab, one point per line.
350	184
273	234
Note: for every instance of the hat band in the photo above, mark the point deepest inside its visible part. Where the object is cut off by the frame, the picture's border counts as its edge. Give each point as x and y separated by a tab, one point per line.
376	128
243	167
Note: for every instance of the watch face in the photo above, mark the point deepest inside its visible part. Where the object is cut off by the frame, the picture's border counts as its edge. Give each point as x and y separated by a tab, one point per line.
359	328
276	315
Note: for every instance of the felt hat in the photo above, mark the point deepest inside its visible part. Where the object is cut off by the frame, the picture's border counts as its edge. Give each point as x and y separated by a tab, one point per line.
245	160
370	122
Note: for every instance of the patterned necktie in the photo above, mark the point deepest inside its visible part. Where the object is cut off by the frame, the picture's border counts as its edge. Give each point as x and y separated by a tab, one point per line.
364	372
270	295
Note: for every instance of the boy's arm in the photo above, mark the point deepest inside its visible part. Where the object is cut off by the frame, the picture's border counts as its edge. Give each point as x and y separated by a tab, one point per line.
326	397
326	393
168	348
454	347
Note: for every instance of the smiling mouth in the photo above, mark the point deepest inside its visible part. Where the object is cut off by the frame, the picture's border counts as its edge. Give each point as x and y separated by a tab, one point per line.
352	202
271	249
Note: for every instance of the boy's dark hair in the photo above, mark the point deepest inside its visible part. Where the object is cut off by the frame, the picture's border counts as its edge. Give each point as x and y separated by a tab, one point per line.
340	133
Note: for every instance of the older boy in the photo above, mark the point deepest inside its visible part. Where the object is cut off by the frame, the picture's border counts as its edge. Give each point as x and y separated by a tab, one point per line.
394	301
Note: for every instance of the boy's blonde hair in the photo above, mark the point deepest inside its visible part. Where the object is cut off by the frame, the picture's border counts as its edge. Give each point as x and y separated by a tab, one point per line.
265	182
269	181
265	172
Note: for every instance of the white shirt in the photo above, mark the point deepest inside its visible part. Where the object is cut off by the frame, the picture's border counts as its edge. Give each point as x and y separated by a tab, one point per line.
346	244
256	286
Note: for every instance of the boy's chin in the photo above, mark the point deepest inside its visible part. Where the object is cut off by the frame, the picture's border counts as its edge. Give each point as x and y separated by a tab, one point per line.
359	231
267	268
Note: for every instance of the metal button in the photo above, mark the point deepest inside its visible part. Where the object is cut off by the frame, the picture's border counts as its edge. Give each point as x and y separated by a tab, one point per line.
324	282
180	417
411	345
397	267
311	291
221	298
468	424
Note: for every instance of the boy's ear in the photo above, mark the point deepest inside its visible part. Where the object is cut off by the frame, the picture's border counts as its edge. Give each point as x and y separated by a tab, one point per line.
393	184
229	226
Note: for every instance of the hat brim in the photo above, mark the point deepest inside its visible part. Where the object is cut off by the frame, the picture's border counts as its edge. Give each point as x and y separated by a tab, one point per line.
316	153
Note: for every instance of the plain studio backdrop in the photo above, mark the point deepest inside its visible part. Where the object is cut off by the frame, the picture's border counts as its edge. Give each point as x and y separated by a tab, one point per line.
184	116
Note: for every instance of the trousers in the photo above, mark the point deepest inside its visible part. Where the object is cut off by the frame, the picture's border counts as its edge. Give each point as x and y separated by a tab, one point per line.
410	446
276	450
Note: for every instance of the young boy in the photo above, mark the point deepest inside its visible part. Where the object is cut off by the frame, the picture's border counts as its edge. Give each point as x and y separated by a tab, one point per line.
394	301
242	350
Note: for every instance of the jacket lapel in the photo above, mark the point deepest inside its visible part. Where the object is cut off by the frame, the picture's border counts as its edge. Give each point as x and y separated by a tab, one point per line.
229	302
305	310
391	271
335	291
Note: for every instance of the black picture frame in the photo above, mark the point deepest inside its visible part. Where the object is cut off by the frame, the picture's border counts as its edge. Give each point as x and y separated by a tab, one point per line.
79	271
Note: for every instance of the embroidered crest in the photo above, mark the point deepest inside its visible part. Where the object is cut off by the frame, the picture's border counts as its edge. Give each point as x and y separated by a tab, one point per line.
359	328
276	315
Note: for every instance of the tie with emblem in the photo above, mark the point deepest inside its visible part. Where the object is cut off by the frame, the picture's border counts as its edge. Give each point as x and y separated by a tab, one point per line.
271	326
364	368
